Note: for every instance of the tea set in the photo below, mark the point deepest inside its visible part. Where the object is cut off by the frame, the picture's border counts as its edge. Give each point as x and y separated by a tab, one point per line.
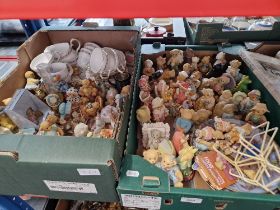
205	104
72	91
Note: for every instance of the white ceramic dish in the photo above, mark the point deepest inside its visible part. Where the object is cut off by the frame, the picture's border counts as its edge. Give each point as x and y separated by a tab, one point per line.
41	58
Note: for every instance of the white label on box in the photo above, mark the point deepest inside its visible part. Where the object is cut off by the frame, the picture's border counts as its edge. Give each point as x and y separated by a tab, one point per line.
88	171
191	200
76	187
132	173
141	201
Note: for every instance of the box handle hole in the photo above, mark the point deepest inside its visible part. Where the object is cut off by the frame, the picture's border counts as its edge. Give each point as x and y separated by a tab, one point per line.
168	202
220	206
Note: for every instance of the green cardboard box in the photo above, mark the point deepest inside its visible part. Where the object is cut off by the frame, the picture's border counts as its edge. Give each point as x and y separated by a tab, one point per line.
212	33
64	167
146	186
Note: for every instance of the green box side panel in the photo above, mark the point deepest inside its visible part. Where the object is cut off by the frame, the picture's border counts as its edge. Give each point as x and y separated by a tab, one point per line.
171	197
57	159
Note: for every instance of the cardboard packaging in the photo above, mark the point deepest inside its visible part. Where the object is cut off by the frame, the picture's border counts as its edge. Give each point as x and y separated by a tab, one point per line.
64	167
132	189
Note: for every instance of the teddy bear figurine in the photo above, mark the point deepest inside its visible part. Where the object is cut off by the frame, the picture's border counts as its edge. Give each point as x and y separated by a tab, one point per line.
220	83
6	122
184	159
206	101
222	125
249	102
160	112
167	74
90	109
184	122
187	68
201	116
160	88
194	64
31	81
219	67
205	66
161	62
143	83
169	164
256	116
179	140
233	70
177	58
152	156
218	109
88	89
148	69
143	114
228	111
226	96
33	115
110	96
49	127
146	98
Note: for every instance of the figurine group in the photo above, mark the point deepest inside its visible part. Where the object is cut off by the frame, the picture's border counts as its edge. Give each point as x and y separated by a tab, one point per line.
79	106
178	93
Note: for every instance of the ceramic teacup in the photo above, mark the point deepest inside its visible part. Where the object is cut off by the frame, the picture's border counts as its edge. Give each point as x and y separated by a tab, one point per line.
45	58
85	50
60	48
70	58
91	44
83	59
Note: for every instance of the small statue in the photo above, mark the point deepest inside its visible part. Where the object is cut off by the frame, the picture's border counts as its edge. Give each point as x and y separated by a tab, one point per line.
88	89
53	100
184	122
49	127
73	96
201	116
166	147
160	112
238	97
206	101
109	114
196	75
220	83
161	63
110	96
226	96
152	156
222	125
31	81
90	109
143	83
249	102
143	114
6	122
160	88
205	66
81	130
256	116
148	69
218	109
181	87
228	111
177	58
169	165
146	98
233	70
33	116
219	66
64	109
184	159
187	68
243	84
167	74
179	140
194	64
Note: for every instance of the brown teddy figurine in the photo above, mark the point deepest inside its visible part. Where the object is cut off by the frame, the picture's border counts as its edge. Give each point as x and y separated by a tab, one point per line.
31	81
49	127
228	111
152	156
90	109
148	68
206	101
161	63
88	89
205	66
176	58
218	109
256	116
201	116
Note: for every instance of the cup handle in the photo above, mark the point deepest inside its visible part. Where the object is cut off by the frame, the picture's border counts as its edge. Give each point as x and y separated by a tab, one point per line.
72	44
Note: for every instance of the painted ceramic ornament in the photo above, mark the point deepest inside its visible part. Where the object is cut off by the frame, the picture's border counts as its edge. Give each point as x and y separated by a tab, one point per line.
81	130
62	87
194	64
226	97
185	160
169	164
187	68
53	100
176	58
179	140
152	156
233	70
184	122
64	109
249	102
148	69
143	83
160	88
160	112
220	83
146	98
222	125
256	116
50	128
166	147
88	89
31	81
109	114
143	114
205	66
219	67
161	62
206	101
110	96
243	84
72	95
154	133
229	111
90	109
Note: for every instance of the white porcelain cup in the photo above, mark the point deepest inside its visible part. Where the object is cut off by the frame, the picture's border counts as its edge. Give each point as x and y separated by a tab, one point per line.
91	48
45	58
71	58
91	44
85	50
62	49
83	59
